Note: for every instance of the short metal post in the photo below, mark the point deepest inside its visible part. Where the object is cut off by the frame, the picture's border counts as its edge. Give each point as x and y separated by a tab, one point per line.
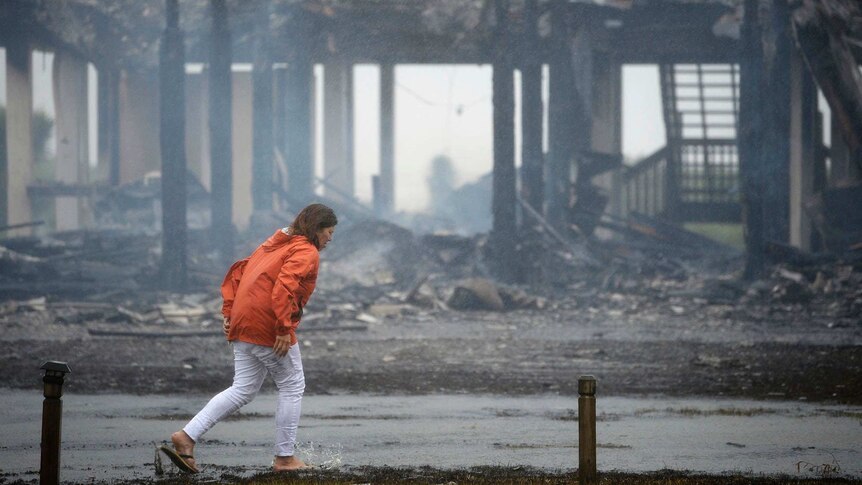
587	430
52	416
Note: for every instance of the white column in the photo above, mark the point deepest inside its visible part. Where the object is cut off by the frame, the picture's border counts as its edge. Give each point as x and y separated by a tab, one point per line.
72	163
140	149
197	127
387	138
607	122
19	136
241	139
338	170
802	152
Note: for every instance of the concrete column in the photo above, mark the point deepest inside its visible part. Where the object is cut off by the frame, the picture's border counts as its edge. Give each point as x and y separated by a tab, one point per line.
72	163
140	150
338	170
197	129
386	203
803	142
241	140
18	173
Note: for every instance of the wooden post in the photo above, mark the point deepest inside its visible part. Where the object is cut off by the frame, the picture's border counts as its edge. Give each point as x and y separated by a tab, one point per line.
172	141
220	126
52	420
504	228
262	147
587	430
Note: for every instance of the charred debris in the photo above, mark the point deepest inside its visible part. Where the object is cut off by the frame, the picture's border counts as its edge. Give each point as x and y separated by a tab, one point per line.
377	271
572	254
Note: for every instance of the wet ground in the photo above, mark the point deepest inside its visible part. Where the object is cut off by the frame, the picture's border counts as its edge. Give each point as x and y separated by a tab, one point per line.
110	437
697	387
700	354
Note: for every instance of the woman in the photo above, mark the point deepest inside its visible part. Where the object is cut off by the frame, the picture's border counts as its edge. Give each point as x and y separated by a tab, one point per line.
263	299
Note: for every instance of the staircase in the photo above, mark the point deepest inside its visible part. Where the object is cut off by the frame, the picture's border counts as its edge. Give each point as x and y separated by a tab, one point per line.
695	178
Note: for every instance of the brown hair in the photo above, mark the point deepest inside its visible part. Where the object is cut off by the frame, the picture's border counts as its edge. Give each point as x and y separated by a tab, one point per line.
311	220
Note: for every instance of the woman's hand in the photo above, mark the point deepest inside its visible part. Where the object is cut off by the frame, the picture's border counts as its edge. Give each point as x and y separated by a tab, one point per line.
225	326
282	345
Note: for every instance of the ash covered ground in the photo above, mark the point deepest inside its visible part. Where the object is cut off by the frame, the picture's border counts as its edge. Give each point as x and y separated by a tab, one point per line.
396	313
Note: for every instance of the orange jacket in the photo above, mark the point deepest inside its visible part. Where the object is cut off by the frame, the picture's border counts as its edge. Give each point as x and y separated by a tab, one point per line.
265	292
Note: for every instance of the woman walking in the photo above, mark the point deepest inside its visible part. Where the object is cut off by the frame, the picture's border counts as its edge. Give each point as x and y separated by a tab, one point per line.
264	295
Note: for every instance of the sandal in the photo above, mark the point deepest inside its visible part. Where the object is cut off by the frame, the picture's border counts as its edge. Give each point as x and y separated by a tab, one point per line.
179	460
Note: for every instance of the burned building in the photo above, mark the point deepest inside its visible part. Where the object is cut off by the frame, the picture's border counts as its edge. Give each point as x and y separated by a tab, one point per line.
224	91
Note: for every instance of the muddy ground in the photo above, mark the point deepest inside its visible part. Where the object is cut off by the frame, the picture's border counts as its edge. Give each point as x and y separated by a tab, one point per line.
648	352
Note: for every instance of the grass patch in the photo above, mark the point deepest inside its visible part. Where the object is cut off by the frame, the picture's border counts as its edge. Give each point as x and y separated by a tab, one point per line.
845	414
697	413
517	475
532	446
727	234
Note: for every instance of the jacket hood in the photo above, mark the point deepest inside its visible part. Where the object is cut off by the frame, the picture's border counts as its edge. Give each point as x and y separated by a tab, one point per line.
280	239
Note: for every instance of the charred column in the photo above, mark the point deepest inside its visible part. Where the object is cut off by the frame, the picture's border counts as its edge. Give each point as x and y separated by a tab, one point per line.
750	136
109	122
532	158
504	230
172	142
764	138
775	154
819	27
299	136
262	145
220	126
560	147
299	105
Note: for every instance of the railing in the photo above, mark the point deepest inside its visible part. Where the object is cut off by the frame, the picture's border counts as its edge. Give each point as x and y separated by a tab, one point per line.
644	185
699	181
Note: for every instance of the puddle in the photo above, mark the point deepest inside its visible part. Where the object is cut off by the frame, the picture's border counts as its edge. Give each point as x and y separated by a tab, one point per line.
111	437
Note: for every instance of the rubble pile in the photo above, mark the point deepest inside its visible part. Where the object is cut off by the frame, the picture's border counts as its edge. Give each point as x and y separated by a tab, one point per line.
831	289
376	271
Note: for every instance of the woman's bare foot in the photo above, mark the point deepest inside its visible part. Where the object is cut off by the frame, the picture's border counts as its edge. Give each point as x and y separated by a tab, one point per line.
184	446
288	463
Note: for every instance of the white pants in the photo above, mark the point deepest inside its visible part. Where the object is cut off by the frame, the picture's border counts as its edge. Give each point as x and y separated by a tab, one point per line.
251	365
